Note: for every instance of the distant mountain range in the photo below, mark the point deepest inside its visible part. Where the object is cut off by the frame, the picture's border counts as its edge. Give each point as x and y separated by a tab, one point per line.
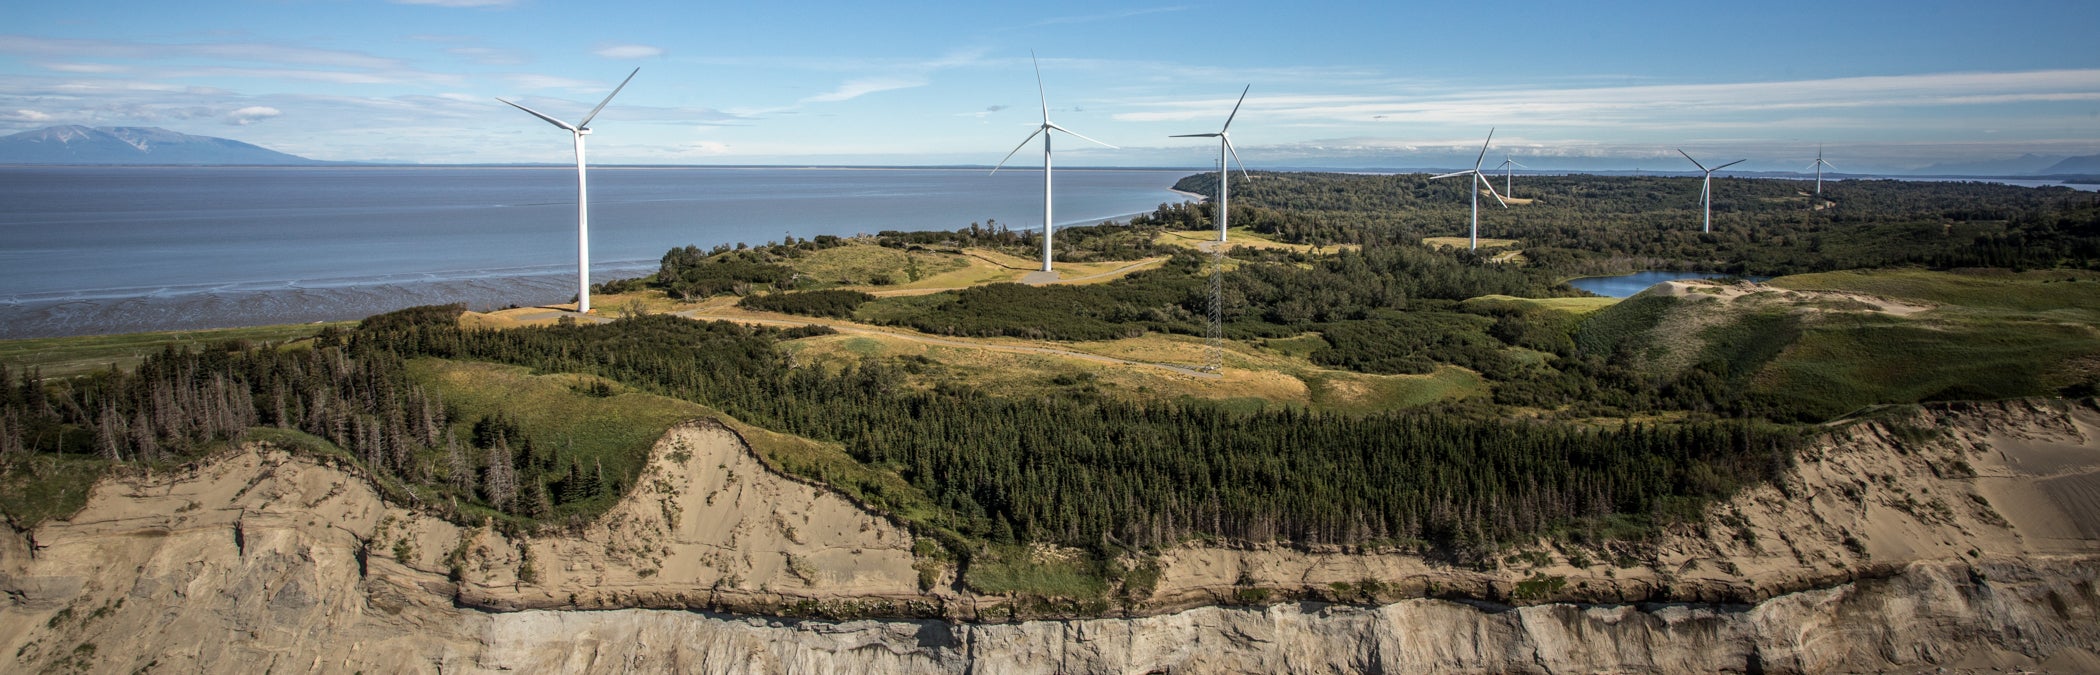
75	144
2088	165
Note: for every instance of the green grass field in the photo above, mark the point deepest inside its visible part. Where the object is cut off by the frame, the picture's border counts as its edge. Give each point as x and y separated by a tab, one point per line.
860	264
69	356
1840	366
2072	293
1576	306
616	431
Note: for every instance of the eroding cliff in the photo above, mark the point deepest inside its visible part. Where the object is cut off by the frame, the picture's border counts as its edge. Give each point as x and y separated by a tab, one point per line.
1958	537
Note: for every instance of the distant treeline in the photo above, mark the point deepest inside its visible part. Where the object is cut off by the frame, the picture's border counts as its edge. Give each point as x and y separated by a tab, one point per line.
1769	227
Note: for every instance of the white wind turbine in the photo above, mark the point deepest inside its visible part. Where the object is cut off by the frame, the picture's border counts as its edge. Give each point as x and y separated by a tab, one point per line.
1478	181
1224	137
1706	189
583	201
1818	166
1506	164
1045	130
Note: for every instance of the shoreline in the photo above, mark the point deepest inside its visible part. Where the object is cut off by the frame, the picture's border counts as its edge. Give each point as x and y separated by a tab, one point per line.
210	309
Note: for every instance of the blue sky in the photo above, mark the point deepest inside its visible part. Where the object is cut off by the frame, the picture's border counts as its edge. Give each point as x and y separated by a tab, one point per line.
1884	85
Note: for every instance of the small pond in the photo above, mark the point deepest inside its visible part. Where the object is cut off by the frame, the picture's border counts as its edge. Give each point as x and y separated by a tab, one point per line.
1628	284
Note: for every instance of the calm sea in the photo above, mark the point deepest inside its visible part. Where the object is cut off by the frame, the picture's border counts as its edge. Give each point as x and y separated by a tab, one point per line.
105	249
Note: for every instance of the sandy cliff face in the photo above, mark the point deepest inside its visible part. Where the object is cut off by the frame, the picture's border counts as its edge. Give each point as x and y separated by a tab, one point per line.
1960	538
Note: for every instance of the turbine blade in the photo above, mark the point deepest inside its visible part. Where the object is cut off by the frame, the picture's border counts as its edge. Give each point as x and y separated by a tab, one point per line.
1235	156
1448	175
586	123
1083	136
1520	165
1490	185
1195	136
1832	167
1484	150
1235	109
1702	167
1724	166
1017	148
1040	96
538	114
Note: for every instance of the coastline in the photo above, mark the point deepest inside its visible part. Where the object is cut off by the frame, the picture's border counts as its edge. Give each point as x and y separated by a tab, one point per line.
70	316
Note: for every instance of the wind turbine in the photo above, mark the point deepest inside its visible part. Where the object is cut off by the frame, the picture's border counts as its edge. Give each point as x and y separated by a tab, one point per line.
1506	164
1818	166
1224	137
1479	181
1045	130
1706	189
583	201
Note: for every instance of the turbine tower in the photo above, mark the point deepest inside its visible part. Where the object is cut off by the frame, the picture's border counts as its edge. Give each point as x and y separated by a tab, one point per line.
583	201
1706	188
1506	164
1479	181
1818	166
1224	137
1045	130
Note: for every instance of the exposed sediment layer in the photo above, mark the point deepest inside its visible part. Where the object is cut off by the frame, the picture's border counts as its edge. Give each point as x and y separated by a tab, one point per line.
1953	538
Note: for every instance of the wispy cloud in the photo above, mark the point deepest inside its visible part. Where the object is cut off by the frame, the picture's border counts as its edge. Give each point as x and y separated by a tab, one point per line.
625	51
489	56
862	87
251	114
90	68
1617	106
232	51
535	81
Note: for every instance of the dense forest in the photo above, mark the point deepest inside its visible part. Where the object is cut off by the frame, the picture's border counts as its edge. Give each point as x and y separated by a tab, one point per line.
1080	470
1580	224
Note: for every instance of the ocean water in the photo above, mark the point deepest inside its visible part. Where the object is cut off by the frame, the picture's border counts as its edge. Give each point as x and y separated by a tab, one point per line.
113	249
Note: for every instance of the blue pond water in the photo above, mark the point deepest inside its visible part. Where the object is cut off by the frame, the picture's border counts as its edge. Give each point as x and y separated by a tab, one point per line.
1628	284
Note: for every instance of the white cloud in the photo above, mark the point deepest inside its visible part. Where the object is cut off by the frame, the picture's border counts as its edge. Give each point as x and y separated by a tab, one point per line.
90	68
629	51
31	116
862	87
251	114
1621	106
488	56
531	81
230	51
